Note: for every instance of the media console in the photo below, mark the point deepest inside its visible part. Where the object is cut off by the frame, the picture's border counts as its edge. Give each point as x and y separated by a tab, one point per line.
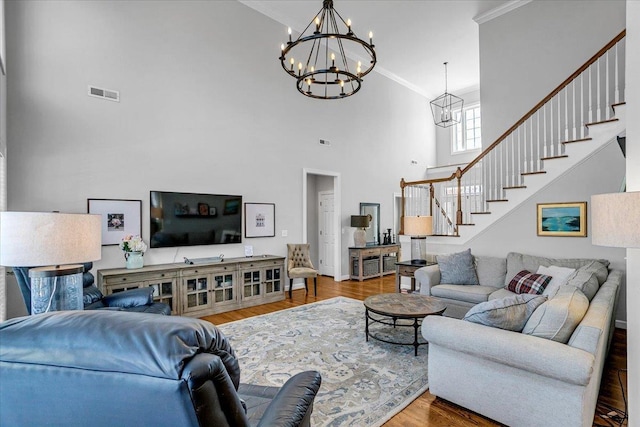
204	289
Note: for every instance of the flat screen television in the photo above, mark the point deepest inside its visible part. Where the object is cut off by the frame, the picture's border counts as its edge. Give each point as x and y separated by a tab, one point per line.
190	219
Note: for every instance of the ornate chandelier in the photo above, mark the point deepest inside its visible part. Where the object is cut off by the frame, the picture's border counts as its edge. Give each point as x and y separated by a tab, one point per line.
445	107
322	69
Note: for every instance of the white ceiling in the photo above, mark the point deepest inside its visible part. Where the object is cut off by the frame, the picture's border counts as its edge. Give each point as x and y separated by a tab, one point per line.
413	38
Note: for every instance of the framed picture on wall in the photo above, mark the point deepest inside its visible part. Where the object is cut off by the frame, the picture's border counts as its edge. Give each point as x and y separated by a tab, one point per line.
119	218
259	219
562	219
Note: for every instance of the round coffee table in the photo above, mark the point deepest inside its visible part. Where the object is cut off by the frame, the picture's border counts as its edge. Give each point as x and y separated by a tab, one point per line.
401	306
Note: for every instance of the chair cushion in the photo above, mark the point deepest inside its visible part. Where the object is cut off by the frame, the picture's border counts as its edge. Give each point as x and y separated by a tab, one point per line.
509	313
472	294
301	272
557	318
526	282
586	281
457	268
501	293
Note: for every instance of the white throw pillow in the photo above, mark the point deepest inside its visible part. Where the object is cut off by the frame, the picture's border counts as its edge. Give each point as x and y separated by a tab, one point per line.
559	277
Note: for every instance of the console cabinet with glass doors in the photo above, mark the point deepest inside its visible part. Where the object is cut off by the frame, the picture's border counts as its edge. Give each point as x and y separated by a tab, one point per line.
204	289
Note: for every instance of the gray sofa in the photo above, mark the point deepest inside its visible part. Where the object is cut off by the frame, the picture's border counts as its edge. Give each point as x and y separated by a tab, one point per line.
522	378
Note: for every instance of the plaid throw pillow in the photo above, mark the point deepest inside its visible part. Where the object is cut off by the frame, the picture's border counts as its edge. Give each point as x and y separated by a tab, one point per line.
526	282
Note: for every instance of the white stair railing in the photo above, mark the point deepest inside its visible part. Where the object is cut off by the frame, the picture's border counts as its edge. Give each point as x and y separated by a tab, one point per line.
586	97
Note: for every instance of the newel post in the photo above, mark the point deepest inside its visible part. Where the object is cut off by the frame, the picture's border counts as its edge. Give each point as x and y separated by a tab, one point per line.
402	186
459	211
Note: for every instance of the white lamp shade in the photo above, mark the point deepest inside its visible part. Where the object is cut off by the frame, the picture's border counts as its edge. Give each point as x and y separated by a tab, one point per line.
418	225
615	220
30	239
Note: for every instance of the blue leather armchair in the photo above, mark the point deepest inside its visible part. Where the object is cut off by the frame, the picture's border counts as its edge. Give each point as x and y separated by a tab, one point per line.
139	300
143	370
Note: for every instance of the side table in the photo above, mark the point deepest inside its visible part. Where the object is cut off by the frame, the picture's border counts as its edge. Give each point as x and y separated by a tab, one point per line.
407	269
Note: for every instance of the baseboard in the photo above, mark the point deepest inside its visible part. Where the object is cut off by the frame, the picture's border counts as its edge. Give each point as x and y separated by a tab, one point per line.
622	324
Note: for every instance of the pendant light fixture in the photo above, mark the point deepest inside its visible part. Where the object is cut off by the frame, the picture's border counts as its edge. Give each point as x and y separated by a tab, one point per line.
318	61
445	107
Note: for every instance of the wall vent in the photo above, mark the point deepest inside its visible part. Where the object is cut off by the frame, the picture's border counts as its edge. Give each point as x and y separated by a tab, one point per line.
111	95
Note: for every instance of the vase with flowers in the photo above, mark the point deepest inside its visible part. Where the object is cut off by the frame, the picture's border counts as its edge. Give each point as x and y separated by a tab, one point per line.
133	247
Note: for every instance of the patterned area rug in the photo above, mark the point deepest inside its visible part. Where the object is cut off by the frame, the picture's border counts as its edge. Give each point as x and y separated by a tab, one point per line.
363	383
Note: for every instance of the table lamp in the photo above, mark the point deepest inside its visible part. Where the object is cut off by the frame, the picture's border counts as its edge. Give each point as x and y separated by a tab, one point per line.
360	235
615	220
58	241
418	227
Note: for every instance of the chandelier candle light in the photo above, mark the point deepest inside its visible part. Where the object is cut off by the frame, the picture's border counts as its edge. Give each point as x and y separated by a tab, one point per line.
445	106
322	70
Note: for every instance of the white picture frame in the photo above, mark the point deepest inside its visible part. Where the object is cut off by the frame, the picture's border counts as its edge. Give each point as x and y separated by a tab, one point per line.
119	218
259	220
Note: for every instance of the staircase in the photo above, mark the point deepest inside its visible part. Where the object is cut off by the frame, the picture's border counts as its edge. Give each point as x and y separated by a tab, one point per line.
574	122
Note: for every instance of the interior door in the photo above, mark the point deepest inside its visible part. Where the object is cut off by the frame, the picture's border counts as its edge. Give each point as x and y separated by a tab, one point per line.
326	238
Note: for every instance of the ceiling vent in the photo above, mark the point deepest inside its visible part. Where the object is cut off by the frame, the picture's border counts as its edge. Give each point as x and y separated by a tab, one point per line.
111	95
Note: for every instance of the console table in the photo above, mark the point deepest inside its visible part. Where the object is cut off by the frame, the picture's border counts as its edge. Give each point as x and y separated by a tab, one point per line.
372	261
204	289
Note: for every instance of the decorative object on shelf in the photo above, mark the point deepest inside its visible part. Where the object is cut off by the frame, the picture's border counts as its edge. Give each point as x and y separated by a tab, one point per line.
327	74
418	227
360	222
119	218
615	219
259	220
133	247
562	219
446	107
59	241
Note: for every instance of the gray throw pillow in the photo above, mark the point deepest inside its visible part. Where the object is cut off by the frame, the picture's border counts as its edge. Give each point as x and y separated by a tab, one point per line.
557	318
510	313
457	269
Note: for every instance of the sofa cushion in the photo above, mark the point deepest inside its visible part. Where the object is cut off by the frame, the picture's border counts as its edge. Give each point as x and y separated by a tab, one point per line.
526	282
586	281
501	293
517	262
491	270
509	313
559	277
457	268
558	317
600	270
471	294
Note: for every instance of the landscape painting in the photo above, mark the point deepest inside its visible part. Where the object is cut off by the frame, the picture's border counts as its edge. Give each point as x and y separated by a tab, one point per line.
562	219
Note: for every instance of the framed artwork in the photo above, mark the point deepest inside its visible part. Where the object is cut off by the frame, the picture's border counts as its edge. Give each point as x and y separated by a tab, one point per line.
562	219
259	219
119	218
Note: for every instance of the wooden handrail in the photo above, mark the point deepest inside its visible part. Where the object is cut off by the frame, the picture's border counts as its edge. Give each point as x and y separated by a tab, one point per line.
524	118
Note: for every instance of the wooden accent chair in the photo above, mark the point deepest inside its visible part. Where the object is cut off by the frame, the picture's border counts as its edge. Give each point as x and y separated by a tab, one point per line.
300	266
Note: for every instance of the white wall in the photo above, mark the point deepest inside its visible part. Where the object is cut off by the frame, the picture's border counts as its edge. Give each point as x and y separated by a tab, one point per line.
205	107
633	184
528	52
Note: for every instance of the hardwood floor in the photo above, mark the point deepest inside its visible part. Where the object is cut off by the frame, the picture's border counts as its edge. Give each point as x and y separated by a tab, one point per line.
428	410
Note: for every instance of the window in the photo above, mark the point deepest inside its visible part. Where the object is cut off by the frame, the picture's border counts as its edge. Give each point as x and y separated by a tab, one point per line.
466	134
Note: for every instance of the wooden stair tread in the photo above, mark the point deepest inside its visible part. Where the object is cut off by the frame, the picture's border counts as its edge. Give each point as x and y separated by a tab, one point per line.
618	104
554	157
577	140
533	173
480	213
601	122
497	200
466	224
515	187
445	235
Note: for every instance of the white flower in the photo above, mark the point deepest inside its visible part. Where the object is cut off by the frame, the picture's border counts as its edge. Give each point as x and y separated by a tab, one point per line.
133	244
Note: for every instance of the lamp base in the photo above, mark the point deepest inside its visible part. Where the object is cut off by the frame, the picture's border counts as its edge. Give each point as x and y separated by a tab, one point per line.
418	250
56	288
418	262
360	238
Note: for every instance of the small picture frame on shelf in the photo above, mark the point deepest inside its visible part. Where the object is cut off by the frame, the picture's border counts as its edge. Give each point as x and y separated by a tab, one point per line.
259	220
203	209
119	218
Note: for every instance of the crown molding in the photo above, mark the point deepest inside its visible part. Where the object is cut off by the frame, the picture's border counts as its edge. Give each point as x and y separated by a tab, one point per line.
499	11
